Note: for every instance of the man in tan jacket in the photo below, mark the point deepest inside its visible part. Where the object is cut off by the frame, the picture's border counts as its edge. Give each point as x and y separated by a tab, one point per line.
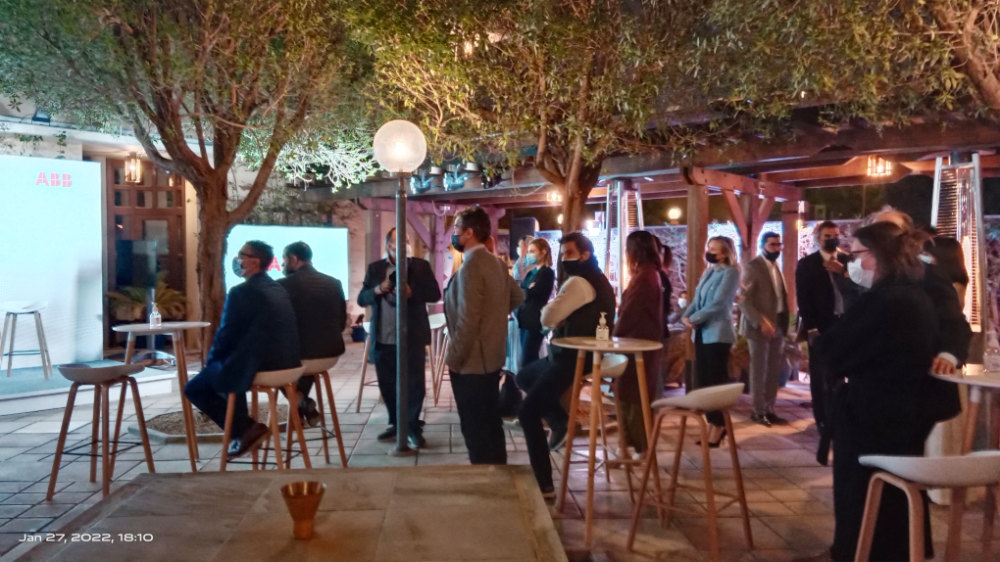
477	300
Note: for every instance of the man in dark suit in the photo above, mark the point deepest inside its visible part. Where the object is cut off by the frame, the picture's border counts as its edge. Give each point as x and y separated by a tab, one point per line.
257	333
321	311
379	292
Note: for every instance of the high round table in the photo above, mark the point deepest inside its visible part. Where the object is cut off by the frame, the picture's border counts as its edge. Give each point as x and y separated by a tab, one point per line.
625	346
176	331
978	381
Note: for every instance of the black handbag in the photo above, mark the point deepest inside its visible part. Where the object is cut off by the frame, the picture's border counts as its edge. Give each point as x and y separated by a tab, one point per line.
510	396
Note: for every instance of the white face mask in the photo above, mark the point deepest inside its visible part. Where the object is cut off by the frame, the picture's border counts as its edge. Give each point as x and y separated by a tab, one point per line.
860	275
682	302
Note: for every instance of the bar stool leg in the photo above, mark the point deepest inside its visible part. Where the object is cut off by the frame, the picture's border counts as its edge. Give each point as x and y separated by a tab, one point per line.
41	344
45	343
954	543
596	411
675	469
738	476
10	353
916	505
322	414
971	417
105	437
574	405
336	422
141	421
647	467
364	370
61	442
872	503
93	433
254	410
227	430
713	517
3	337
272	402
118	425
296	420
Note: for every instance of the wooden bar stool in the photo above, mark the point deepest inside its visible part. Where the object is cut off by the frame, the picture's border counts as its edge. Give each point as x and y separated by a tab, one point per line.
915	474
318	369
269	382
103	378
13	310
695	405
364	368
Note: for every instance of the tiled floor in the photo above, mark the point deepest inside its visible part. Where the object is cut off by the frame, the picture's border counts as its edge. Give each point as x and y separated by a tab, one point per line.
789	495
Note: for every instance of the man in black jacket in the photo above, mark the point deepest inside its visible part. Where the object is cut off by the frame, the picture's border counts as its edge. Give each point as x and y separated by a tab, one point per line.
379	292
321	312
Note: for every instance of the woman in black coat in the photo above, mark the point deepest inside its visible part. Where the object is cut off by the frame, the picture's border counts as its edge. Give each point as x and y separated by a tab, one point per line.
883	347
537	287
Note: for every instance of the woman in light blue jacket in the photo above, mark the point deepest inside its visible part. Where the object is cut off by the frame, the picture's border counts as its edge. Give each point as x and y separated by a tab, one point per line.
710	317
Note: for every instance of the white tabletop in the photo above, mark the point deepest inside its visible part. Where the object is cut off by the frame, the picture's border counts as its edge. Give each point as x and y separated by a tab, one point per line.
974	375
619	345
437	321
164	328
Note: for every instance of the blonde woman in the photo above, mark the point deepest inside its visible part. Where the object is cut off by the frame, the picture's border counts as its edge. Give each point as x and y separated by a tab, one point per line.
710	318
537	284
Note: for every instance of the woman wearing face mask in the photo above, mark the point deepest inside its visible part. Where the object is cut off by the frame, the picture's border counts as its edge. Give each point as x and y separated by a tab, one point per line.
884	346
709	316
537	286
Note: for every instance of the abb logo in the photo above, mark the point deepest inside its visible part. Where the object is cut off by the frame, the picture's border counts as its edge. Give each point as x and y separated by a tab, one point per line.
274	265
54	179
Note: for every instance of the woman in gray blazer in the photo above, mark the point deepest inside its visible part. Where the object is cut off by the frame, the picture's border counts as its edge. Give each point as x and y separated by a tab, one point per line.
710	317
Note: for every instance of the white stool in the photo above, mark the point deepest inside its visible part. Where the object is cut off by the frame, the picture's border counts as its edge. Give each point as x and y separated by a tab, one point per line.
268	382
695	405
915	474
15	309
103	378
318	369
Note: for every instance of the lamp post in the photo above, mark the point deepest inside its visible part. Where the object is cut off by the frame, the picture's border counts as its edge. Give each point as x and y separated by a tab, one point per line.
400	148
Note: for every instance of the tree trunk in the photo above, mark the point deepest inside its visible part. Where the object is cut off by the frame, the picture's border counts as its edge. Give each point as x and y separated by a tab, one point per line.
211	251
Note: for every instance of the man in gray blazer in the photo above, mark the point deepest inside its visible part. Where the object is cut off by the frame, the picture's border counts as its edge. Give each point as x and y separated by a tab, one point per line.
764	322
477	300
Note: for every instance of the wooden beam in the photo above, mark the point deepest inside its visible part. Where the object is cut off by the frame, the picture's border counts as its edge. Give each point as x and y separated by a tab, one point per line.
790	255
418	226
697	235
732	182
739	219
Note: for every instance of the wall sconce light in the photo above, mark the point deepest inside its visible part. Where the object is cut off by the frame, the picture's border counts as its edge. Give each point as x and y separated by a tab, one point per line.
133	169
175	180
553	197
879	167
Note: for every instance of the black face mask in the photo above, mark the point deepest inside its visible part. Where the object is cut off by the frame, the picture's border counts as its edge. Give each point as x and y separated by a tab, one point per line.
574	267
771	256
711	258
830	245
458	245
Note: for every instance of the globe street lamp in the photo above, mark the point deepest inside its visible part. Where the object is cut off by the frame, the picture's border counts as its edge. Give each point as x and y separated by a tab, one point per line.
400	148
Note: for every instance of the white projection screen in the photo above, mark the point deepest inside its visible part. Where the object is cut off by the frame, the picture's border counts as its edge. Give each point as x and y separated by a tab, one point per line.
329	246
50	252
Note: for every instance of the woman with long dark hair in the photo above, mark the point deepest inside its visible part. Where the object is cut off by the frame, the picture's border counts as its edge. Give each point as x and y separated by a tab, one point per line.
883	348
710	318
640	316
537	284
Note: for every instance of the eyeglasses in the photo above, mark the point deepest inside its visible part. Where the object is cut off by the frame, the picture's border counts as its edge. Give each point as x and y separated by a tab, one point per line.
246	255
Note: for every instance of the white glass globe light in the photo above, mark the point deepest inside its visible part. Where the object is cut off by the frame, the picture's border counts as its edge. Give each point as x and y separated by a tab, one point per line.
400	147
674	213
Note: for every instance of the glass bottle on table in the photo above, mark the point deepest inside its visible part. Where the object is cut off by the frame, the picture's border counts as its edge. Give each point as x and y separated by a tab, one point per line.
155	319
991	355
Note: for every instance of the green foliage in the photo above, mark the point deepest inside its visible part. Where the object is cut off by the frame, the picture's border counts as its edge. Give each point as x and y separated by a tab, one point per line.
129	303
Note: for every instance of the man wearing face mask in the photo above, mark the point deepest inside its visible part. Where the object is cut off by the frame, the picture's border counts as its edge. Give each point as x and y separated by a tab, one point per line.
575	311
258	332
379	292
764	322
321	312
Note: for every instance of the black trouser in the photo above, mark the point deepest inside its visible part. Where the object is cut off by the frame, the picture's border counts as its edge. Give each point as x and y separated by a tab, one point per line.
385	371
531	344
202	393
818	388
545	381
711	368
302	387
477	398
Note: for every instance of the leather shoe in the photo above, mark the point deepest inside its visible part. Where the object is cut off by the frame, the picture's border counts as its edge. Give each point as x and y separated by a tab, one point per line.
388	436
761	419
250	440
309	413
775	419
416	441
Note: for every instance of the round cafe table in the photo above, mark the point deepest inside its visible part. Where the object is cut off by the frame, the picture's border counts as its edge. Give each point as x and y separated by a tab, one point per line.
625	346
979	382
176	331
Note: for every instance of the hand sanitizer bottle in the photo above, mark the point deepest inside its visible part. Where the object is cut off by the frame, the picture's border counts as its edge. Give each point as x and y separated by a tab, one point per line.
991	355
603	333
154	317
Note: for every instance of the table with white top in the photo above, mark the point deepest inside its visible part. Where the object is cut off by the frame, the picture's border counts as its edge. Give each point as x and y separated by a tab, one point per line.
979	382
625	346
176	331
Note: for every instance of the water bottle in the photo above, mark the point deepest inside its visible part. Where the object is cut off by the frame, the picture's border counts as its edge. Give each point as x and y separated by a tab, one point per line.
154	317
603	333
991	355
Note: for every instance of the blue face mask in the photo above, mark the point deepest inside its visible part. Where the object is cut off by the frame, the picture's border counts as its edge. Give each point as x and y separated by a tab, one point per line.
458	245
530	259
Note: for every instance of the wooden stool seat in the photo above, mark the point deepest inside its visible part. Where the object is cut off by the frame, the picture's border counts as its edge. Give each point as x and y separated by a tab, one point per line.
915	474
14	309
319	370
268	382
103	378
694	405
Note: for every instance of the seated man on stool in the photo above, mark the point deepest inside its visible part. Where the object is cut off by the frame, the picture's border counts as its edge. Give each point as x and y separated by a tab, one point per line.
321	312
258	333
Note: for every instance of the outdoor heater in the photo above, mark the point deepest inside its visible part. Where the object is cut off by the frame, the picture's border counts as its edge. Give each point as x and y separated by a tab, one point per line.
400	148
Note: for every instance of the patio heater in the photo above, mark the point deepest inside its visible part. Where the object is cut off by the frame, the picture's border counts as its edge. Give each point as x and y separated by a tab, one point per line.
958	212
400	148
623	206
